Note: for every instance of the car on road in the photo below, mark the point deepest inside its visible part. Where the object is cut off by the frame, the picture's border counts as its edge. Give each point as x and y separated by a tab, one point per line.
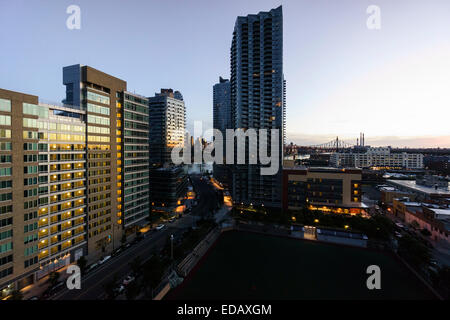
161	226
119	290
92	267
128	280
104	259
398	234
171	220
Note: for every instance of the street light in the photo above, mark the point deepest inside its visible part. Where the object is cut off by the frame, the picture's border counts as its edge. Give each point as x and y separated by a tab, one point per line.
171	246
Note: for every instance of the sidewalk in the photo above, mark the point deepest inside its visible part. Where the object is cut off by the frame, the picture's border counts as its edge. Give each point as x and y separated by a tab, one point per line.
38	288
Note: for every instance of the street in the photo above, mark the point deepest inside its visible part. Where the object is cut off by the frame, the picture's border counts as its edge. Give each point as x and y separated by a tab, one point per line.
93	282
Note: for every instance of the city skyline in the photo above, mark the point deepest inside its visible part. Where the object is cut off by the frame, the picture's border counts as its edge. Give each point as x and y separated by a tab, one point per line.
342	78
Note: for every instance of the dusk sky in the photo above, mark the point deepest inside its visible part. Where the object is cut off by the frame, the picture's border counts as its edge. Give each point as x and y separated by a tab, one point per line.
342	78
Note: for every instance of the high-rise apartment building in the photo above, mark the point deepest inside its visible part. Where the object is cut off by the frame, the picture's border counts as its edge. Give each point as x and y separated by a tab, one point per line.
167	125
222	122
257	99
100	95
73	178
43	196
135	161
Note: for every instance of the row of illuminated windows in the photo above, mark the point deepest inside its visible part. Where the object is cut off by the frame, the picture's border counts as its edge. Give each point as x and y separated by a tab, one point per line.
35	110
99	147
53	126
94	164
99	180
67	137
97	97
5	120
99	214
93	173
97	109
5	105
98	120
102	130
99	205
98	139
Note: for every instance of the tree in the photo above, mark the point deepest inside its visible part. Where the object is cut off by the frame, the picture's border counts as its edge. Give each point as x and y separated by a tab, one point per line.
82	262
414	250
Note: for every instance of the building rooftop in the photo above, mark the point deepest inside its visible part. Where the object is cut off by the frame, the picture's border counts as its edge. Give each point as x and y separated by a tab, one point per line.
411	184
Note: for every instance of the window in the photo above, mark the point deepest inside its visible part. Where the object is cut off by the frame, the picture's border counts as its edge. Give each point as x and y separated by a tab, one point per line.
5	184
4	172
5	196
5	105
5	133
98	120
97	97
5	146
30	123
5	120
97	109
35	110
5	159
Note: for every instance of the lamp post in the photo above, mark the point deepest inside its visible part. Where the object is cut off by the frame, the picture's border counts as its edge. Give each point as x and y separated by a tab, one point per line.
171	246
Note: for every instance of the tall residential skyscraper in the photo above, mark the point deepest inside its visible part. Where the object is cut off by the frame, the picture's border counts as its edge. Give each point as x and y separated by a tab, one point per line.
167	125
221	122
100	96
257	99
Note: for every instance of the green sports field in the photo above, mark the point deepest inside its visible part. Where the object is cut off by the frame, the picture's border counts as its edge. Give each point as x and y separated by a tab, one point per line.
253	266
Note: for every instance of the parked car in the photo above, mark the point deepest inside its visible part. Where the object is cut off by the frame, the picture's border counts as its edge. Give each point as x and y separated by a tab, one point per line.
398	234
160	227
128	280
92	267
119	290
104	259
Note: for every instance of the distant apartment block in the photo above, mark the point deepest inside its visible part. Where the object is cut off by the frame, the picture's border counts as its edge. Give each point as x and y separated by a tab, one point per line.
167	125
222	122
324	189
380	157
